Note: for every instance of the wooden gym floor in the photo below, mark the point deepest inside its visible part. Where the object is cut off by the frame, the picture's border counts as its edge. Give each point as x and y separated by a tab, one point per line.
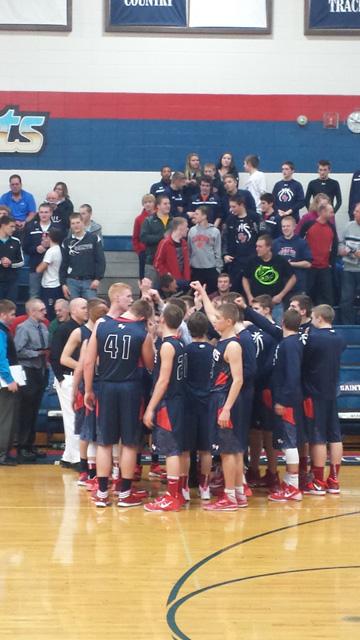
272	571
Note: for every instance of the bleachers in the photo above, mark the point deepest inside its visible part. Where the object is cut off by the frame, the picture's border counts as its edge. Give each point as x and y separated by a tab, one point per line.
348	399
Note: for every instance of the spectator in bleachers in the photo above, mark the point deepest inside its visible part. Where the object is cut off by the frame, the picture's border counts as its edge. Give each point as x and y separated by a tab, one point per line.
296	251
31	342
239	236
148	203
192	174
162	187
176	194
20	202
172	255
58	216
270	221
256	182
64	379
204	242
11	259
226	166
83	263
320	198
324	184
167	286
205	198
91	225
321	237
288	193
152	232
9	393
210	171
36	241
64	206
231	189
62	314
223	286
4	210
49	270
349	249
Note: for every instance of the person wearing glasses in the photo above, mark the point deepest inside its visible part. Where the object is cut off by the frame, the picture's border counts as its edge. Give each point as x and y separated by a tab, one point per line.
31	342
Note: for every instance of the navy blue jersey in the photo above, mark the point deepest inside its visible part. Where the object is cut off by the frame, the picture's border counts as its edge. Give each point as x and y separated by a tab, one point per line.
119	348
321	364
85	333
220	376
286	376
199	360
265	345
248	356
176	386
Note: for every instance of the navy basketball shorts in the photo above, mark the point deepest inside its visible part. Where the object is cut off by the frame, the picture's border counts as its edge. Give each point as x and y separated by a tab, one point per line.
169	430
322	422
118	413
263	415
231	439
287	428
197	433
247	401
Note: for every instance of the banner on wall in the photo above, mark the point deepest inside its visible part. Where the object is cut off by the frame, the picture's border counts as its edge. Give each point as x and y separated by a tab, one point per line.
189	16
332	17
36	15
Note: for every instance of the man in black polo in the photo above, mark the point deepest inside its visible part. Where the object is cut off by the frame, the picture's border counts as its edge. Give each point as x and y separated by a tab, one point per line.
11	259
83	261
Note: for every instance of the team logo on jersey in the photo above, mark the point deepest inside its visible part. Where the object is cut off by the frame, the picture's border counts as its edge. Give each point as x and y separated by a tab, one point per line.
266	275
285	194
21	132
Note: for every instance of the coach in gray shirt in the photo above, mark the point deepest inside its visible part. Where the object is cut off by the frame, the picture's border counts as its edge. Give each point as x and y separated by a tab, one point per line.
204	243
31	342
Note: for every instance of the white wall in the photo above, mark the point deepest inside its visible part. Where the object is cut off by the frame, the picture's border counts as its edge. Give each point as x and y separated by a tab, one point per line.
87	59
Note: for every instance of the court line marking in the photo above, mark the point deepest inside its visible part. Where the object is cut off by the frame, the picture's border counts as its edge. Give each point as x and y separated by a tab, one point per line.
181	581
171	614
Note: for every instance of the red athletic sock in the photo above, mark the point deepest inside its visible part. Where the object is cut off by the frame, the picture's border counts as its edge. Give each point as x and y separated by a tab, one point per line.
204	480
318	473
173	485
334	471
303	465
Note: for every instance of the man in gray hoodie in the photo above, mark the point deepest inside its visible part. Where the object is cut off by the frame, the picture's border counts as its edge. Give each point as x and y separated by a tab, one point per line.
204	242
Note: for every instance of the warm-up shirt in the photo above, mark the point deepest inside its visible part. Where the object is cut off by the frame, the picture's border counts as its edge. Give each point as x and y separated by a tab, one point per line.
289	194
329	186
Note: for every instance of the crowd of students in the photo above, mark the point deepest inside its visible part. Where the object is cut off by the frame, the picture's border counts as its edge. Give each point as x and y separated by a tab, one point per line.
197	223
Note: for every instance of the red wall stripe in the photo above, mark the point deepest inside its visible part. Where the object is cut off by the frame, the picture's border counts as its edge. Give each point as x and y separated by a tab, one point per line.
147	106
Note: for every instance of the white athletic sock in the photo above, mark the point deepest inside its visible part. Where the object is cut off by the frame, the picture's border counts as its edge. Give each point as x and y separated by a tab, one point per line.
240	489
230	494
293	479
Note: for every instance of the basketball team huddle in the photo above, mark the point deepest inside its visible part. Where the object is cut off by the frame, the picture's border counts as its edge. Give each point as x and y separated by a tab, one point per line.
218	378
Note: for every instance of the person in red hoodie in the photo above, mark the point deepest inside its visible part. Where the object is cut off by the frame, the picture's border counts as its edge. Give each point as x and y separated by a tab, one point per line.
172	255
148	203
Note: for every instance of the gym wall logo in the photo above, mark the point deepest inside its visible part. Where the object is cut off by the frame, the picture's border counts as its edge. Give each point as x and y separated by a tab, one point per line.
21	132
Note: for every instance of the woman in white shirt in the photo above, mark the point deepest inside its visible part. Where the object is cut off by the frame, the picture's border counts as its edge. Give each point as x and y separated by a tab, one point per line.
50	266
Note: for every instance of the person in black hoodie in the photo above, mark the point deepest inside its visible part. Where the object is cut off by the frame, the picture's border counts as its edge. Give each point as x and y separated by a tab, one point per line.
8	387
83	264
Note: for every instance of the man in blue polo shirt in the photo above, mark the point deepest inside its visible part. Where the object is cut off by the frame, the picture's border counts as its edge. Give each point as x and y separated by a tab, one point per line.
21	203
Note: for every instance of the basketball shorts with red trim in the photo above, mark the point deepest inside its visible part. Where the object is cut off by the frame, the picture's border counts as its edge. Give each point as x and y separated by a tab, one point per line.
322	422
231	439
169	431
263	414
288	428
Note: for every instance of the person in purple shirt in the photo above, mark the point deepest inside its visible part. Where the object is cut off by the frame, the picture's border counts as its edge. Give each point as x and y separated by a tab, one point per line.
20	202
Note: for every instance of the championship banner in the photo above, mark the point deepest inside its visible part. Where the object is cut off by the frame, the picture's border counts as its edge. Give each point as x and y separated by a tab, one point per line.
332	17
190	16
36	15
